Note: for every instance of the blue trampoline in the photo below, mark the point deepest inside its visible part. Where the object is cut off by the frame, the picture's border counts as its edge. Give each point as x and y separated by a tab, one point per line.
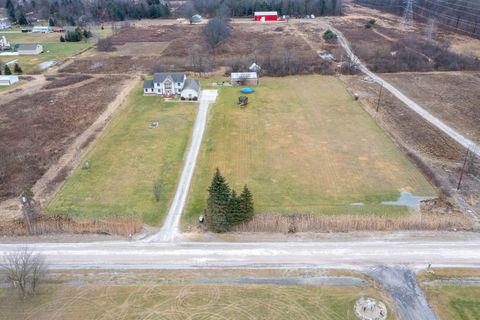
247	90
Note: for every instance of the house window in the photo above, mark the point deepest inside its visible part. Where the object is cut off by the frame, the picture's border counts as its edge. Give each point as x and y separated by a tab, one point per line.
168	85
179	84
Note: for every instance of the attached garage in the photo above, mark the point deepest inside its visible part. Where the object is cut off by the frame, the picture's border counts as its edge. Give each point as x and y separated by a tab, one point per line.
266	16
191	90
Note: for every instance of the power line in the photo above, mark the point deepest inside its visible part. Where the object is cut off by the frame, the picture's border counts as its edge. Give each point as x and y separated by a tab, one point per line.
449	26
407	19
453	18
457	10
470	6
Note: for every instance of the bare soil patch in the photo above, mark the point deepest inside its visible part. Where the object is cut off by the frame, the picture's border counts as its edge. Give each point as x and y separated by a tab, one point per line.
36	129
64	80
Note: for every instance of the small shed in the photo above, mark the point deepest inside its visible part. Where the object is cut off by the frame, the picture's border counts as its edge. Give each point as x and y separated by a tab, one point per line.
191	90
265	16
244	79
30	49
8	80
196	19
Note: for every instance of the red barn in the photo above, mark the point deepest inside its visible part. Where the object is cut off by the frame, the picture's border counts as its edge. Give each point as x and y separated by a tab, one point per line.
266	16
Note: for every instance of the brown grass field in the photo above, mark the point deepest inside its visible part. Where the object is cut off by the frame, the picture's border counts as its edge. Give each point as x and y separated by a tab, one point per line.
303	145
451	96
183	295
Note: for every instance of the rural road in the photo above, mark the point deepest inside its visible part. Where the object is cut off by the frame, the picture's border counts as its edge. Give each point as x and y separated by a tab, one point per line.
356	255
401	283
170	229
465	142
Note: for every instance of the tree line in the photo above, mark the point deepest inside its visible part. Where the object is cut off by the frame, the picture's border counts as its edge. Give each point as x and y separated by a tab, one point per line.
456	15
80	12
225	208
242	8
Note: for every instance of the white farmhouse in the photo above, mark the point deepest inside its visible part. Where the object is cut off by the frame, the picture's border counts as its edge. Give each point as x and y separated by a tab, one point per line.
169	84
29	49
8	80
4	24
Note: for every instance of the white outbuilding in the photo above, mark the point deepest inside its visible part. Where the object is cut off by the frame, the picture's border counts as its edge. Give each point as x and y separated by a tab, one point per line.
29	49
8	80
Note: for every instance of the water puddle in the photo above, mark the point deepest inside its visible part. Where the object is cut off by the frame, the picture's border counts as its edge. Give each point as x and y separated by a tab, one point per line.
406	199
46	64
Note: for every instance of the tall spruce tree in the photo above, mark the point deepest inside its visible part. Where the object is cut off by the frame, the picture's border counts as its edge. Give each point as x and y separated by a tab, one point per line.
10	10
17	69
7	70
217	204
234	210
246	204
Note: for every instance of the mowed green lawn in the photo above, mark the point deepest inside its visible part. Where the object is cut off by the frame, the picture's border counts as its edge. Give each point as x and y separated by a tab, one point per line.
303	145
452	301
128	159
53	48
187	301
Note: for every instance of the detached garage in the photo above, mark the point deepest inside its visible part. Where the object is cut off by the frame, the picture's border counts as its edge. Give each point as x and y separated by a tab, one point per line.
29	49
266	16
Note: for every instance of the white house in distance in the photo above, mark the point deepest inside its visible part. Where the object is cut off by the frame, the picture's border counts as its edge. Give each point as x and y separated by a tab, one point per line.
29	49
168	84
4	24
8	80
42	29
244	79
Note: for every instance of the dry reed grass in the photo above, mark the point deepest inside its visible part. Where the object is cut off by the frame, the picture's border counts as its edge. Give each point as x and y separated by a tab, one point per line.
122	226
348	223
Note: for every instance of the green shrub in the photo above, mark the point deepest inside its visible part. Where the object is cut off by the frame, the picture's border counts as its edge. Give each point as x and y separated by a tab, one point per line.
329	35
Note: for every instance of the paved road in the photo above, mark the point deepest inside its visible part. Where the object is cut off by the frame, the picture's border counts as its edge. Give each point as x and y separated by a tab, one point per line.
401	283
467	143
326	254
170	230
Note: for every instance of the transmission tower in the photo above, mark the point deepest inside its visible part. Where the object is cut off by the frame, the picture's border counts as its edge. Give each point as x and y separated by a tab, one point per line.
407	20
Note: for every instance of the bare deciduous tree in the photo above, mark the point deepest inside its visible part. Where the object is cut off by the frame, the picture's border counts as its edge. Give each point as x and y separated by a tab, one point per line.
216	31
25	270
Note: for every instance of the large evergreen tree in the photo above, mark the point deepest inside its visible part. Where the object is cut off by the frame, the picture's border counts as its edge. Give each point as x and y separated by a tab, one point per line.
217	204
7	70
246	204
234	210
17	69
10	10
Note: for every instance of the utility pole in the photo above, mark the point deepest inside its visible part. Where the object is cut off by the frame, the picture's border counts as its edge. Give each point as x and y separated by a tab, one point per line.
463	169
379	96
407	20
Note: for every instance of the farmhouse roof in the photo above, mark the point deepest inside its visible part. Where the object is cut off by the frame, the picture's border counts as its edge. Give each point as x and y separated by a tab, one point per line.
148	84
266	13
192	84
176	76
244	75
27	46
